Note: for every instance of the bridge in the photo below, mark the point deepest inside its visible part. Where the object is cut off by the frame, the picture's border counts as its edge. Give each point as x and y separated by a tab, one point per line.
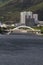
31	30
23	27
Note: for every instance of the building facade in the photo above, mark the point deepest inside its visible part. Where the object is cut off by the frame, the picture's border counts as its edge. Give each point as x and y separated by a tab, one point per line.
22	17
28	18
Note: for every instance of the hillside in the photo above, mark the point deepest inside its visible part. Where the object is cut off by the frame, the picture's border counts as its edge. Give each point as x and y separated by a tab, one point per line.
10	9
4	2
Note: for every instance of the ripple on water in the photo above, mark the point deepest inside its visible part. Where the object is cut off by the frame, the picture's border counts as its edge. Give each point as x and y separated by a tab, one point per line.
21	50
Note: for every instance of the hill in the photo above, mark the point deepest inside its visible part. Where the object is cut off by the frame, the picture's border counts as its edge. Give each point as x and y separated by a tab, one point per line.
10	9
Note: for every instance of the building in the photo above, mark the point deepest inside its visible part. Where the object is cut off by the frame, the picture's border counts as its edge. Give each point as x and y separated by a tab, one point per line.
35	17
28	18
30	22
40	23
22	17
29	14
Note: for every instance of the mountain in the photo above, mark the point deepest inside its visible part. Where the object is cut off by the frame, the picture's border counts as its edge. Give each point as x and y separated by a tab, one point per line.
4	2
10	9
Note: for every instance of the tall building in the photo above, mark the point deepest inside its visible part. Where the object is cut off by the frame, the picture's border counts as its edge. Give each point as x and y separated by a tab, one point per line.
28	18
29	21
35	16
22	18
29	14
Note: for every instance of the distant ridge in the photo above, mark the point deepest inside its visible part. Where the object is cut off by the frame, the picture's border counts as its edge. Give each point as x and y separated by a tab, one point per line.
11	9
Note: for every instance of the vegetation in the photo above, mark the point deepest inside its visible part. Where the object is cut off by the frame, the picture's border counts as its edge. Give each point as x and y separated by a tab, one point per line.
39	28
10	9
4	2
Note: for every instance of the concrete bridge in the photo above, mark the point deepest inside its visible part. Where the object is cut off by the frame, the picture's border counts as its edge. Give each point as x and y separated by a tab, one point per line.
23	27
24	31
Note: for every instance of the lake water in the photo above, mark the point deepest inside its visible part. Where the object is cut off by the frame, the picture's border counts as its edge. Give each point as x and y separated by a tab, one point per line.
21	50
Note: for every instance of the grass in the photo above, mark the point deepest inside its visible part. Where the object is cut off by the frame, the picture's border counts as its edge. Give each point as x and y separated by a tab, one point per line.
39	28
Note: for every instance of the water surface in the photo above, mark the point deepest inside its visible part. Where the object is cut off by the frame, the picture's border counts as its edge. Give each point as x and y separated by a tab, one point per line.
21	50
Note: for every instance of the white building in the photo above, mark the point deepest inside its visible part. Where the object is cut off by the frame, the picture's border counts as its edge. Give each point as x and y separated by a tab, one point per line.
22	17
35	16
29	14
40	23
28	18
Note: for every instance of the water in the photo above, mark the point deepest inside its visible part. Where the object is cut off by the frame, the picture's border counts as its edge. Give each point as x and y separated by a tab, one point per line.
21	50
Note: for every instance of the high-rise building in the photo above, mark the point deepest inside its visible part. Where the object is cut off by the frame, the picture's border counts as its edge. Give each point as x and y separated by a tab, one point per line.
28	18
30	21
35	16
22	20
29	14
